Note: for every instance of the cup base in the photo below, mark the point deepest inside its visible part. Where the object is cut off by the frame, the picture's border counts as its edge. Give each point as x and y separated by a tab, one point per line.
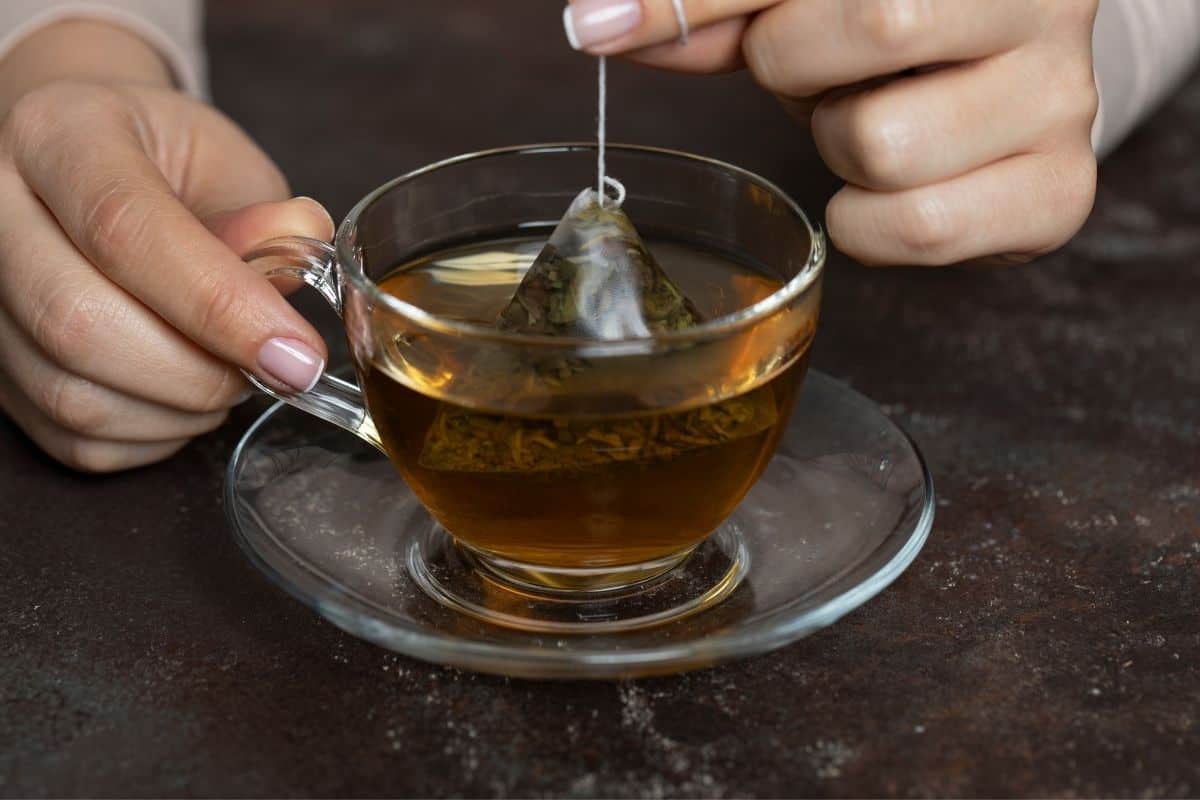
567	581
582	601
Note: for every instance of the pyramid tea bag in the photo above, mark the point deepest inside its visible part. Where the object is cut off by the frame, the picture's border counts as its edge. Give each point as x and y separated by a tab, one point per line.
594	279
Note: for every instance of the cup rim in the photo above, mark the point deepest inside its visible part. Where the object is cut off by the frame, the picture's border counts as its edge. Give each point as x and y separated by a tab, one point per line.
714	328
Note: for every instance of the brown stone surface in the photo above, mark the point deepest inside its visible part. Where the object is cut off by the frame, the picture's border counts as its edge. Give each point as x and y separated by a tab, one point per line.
1046	642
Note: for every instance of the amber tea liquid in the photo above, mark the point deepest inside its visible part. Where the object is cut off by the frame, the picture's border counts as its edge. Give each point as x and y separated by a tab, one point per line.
562	493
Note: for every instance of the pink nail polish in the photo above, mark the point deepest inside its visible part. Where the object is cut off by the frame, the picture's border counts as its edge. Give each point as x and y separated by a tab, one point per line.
291	362
592	22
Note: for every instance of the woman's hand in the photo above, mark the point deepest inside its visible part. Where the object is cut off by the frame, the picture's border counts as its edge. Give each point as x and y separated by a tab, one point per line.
962	127
124	308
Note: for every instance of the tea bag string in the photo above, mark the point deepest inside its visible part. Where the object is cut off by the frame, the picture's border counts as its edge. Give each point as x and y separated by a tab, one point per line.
603	179
682	20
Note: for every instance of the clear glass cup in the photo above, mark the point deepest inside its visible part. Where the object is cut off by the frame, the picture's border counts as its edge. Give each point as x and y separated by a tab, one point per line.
524	190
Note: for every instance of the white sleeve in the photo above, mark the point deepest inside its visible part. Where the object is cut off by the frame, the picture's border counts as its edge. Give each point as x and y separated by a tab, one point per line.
1142	50
173	27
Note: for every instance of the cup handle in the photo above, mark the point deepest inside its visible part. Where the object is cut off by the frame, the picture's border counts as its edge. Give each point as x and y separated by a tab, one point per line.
331	399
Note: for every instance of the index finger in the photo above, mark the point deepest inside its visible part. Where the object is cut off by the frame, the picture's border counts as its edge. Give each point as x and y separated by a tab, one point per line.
120	212
608	27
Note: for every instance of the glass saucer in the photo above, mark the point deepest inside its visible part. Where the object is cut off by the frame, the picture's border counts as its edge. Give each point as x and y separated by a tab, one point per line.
842	509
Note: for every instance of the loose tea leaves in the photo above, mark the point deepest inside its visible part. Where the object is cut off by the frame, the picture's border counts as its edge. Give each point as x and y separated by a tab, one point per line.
469	441
595	279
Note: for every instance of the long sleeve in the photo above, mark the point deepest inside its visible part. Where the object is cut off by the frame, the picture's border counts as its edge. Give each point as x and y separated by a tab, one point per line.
1142	50
173	27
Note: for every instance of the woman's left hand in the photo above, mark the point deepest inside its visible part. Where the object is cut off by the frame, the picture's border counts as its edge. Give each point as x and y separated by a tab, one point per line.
962	127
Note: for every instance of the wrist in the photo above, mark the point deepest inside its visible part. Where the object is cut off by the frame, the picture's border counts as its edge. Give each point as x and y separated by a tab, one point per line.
80	49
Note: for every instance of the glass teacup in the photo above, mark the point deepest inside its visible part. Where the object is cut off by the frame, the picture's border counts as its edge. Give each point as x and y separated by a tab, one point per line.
558	464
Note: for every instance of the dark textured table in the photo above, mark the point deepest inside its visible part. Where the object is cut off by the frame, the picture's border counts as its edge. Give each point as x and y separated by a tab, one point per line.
1047	640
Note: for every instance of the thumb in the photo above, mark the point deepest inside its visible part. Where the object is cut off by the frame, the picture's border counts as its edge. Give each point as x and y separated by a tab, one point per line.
604	27
244	229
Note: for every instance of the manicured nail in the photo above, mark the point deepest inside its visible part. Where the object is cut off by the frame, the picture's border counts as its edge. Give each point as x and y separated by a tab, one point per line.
324	212
291	362
592	22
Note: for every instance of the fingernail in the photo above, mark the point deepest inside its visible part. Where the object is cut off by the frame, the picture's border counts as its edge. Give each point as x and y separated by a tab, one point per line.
291	362
592	22
324	212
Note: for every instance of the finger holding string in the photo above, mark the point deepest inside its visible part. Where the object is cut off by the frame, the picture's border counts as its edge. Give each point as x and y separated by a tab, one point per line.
654	31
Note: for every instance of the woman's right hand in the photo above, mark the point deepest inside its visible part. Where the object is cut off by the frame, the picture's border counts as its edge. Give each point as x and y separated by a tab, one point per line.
124	308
